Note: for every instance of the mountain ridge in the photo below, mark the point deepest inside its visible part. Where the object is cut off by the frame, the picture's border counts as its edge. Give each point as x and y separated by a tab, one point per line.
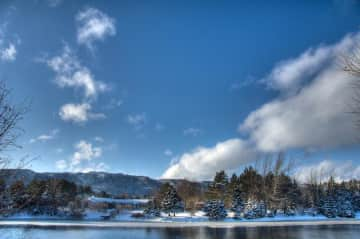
112	183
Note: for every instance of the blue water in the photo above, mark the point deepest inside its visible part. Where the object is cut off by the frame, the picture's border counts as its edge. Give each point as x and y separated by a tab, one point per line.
293	232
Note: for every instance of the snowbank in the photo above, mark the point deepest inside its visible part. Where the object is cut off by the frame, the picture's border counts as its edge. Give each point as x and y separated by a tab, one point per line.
118	201
114	224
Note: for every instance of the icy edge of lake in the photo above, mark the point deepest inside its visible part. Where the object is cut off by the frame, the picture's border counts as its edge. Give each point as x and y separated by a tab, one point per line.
15	223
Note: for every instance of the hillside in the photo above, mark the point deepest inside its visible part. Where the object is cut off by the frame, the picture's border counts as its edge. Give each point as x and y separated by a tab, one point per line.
112	183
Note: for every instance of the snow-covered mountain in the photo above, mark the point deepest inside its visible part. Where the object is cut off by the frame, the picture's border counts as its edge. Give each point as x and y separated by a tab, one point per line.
112	183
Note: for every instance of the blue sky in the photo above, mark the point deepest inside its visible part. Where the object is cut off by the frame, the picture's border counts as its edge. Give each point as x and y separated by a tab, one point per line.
180	88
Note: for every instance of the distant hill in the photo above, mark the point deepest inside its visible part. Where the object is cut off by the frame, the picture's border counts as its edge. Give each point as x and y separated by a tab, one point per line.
112	183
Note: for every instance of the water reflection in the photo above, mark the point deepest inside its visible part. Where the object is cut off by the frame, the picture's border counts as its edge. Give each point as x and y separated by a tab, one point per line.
299	232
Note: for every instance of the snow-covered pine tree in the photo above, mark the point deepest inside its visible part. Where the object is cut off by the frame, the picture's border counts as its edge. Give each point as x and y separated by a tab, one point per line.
254	209
217	189
344	202
345	209
237	203
152	210
171	201
329	206
215	210
355	200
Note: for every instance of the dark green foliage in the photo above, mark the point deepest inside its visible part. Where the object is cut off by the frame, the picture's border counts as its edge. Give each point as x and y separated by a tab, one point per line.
217	189
171	202
237	205
215	209
250	183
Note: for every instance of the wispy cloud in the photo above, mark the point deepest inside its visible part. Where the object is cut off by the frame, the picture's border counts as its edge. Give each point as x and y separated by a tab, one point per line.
8	45
138	121
93	25
114	103
99	139
83	158
8	53
54	3
61	164
159	127
45	137
79	113
71	73
192	132
85	151
168	152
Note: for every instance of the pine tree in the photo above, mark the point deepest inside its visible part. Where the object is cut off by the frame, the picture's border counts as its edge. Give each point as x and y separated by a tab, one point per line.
17	195
237	202
152	210
171	202
344	202
251	182
282	192
329	206
355	201
217	189
254	209
215	210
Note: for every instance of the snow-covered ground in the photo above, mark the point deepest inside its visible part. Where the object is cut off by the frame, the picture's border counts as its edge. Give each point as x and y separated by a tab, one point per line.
183	217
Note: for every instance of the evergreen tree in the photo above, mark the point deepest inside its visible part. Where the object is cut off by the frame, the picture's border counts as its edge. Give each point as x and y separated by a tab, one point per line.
282	193
250	182
171	202
329	205
254	209
217	189
152	210
237	202
355	201
17	195
215	209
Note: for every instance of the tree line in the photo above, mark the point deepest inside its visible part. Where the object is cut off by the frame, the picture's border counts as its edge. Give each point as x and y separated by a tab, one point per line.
42	197
252	194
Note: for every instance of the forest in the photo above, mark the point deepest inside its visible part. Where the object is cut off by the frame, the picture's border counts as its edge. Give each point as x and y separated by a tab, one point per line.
252	194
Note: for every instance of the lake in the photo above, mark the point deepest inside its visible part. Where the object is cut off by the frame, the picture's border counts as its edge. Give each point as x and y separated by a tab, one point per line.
289	232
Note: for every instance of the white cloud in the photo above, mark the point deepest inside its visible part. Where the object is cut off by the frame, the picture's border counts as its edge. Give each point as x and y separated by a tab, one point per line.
97	167
114	103
8	42
192	132
93	25
8	53
70	73
45	137
138	121
83	158
168	152
290	75
315	117
202	163
61	164
54	3
311	114
79	113
85	151
322	171
99	139
159	127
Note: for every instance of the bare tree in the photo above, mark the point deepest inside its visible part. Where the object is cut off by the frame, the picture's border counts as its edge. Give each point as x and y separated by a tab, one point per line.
10	115
351	64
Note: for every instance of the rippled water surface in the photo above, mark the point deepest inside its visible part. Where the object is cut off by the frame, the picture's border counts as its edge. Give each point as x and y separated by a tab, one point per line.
293	232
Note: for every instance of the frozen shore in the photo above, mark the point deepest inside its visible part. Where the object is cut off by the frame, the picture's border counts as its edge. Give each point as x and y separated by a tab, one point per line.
220	224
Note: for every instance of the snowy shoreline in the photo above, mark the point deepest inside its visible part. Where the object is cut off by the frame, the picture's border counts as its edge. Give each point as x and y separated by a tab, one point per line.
172	224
